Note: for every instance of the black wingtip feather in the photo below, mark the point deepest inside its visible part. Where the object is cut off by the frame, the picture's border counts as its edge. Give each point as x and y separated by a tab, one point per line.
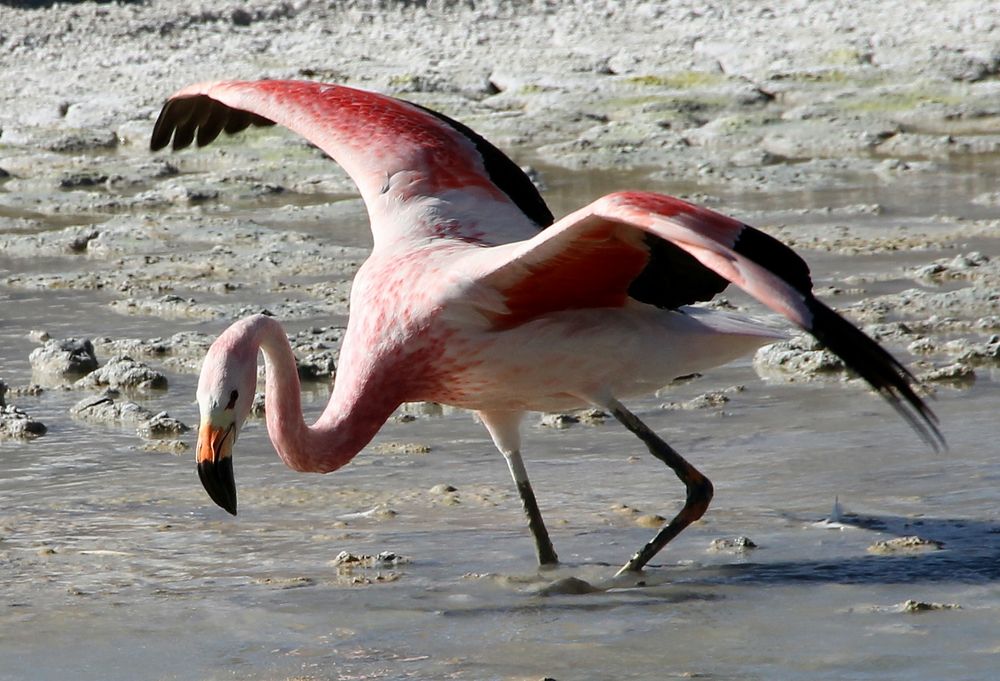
184	133
173	111
860	353
199	119
503	172
211	126
876	366
673	277
774	256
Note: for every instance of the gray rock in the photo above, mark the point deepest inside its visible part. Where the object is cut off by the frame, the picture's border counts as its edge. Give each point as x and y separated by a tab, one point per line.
957	374
108	407
161	425
258	408
558	421
978	353
16	424
800	358
962	266
124	372
714	399
66	358
182	345
165	446
968	65
83	140
741	544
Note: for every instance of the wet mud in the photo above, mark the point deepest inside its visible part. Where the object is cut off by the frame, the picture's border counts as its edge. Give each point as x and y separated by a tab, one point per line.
865	135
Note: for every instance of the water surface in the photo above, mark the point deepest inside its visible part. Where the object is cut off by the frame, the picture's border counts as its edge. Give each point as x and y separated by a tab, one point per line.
116	565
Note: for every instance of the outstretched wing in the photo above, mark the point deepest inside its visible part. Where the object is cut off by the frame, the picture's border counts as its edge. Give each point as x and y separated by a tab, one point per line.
592	257
373	137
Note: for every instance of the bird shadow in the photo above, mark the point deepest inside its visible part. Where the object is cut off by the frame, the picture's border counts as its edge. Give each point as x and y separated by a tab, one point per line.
951	550
957	550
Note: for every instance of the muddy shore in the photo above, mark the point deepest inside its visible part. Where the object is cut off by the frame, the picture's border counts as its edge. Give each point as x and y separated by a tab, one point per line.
864	134
742	97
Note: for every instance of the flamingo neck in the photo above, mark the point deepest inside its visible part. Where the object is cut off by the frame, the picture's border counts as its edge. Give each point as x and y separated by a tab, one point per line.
352	417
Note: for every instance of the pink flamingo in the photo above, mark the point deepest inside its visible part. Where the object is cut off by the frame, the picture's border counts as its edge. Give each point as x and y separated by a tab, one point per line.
474	296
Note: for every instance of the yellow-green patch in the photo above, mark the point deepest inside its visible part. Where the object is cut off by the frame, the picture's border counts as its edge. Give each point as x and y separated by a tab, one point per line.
843	55
901	101
678	80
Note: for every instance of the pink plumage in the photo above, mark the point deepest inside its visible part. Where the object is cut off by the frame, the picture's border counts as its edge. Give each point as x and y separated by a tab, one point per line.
474	296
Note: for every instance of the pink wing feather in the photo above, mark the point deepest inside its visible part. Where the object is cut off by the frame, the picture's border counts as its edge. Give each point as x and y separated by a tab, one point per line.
602	247
371	136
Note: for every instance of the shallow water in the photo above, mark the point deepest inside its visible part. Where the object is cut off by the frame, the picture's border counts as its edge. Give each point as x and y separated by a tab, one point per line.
117	566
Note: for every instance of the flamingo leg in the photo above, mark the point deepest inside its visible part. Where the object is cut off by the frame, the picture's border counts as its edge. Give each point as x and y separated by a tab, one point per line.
505	429
543	545
699	488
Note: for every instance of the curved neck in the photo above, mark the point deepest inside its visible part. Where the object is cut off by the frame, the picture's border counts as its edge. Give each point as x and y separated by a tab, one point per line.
352	417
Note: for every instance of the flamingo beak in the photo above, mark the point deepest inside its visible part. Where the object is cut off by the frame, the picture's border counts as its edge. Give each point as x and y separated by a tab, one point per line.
215	464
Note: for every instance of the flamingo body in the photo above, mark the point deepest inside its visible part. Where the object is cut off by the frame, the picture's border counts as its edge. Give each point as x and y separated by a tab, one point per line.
474	296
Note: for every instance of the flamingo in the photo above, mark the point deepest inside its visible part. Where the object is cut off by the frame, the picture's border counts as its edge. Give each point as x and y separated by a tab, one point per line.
475	296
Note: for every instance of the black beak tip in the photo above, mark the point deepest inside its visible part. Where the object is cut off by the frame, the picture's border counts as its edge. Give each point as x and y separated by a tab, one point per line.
217	479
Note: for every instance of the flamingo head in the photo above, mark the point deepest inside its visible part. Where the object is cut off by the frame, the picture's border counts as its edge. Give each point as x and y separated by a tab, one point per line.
225	395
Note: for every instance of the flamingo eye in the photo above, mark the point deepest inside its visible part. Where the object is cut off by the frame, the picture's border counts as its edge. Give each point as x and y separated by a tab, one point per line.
233	396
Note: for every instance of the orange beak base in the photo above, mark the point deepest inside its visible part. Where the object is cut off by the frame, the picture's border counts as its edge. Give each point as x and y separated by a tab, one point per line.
215	466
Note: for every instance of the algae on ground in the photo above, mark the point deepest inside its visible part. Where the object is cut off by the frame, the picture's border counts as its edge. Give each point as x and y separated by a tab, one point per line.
678	80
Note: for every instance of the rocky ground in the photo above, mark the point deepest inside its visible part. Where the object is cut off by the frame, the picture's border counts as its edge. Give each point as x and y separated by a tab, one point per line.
741	97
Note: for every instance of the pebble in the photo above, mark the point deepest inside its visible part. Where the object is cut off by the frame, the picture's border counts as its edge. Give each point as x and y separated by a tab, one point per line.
258	407
569	586
912	606
739	544
286	582
30	390
378	512
651	520
908	544
713	399
422	409
177	447
345	560
558	421
593	417
401	448
708	400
